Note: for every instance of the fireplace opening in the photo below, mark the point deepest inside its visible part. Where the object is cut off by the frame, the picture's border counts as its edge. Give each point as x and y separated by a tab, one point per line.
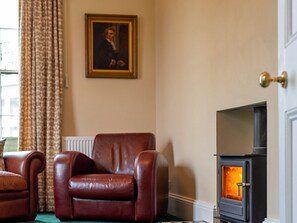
242	164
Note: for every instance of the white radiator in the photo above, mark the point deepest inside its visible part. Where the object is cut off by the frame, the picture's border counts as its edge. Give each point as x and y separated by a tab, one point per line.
83	144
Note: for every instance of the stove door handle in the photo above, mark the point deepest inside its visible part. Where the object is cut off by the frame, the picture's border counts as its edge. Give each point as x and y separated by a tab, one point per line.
241	184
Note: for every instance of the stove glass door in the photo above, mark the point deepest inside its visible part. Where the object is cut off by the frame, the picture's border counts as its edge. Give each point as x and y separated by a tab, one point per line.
231	180
233	197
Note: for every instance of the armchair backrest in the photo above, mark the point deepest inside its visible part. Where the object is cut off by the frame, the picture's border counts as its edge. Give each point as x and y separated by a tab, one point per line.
116	153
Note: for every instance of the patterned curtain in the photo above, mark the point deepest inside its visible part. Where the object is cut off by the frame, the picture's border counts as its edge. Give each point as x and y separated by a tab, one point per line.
41	85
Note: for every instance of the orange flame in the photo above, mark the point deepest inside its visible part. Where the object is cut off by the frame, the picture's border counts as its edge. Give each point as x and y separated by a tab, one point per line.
231	175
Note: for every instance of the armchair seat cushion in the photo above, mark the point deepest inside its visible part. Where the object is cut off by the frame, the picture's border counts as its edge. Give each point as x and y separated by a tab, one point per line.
102	186
12	182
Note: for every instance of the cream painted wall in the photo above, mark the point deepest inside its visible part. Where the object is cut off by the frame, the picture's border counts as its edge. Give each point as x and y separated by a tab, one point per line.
108	105
195	57
209	55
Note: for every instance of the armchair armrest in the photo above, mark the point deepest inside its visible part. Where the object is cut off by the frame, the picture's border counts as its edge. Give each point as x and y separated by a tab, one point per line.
24	162
66	165
151	175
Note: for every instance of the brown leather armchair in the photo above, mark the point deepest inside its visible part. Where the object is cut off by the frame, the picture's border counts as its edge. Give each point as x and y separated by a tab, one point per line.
126	179
19	185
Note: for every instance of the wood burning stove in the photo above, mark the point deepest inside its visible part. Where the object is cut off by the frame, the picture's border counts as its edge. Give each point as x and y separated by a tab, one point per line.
242	188
242	183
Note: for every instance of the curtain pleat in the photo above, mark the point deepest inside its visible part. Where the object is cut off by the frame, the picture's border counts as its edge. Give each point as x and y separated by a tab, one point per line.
41	85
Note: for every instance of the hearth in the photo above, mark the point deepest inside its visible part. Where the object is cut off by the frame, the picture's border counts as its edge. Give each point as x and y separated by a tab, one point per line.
242	183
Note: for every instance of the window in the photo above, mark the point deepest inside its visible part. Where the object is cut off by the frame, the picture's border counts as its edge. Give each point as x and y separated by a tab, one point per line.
9	75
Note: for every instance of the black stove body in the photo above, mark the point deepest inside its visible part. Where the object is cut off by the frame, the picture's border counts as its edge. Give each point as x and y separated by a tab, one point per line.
248	201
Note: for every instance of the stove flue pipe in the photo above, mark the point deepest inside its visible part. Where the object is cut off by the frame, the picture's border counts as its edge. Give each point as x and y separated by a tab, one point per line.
260	130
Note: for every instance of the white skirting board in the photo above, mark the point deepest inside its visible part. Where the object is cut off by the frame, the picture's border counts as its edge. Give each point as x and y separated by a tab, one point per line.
194	210
190	209
270	220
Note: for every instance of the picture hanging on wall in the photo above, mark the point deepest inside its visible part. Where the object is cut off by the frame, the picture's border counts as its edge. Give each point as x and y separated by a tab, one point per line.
111	46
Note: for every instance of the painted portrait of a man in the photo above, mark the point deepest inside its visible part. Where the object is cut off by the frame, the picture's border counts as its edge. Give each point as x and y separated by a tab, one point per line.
111	46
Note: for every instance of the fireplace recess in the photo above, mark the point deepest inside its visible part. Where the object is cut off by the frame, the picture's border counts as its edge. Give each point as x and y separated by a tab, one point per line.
242	178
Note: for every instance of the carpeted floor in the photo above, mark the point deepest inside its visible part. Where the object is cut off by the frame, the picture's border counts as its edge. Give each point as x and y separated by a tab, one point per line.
51	218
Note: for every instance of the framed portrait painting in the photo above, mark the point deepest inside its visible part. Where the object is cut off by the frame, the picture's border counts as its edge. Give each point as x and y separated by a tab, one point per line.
111	46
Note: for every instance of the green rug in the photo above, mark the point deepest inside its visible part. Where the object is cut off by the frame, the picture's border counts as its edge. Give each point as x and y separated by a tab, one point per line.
51	218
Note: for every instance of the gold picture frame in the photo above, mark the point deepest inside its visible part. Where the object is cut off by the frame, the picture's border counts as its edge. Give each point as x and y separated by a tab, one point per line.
111	46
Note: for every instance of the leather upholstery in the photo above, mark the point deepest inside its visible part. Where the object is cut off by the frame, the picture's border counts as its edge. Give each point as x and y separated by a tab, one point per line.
126	179
12	182
19	185
102	186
